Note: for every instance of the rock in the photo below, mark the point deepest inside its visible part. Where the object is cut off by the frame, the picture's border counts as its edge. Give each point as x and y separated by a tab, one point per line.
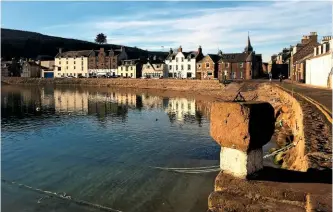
243	126
284	109
278	159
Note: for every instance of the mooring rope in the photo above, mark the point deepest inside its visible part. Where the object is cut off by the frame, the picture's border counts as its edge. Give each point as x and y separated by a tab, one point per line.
62	196
192	170
280	150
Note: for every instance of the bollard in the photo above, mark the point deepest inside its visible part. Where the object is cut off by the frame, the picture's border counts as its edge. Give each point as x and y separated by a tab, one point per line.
241	129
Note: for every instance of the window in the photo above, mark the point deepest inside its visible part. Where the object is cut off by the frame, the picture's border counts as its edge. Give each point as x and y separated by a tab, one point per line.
74	61
189	106
199	65
182	67
189	59
131	67
58	74
170	67
121	74
182	59
74	67
59	62
81	58
82	68
189	74
74	74
67	67
207	65
241	65
59	68
176	59
176	67
209	73
188	67
148	66
227	65
121	68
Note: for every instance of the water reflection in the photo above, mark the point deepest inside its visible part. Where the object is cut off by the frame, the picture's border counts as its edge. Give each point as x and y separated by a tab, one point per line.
100	145
49	101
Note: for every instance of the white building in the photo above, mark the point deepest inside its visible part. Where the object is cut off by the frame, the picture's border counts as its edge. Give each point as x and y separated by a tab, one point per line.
181	107
71	63
319	67
183	64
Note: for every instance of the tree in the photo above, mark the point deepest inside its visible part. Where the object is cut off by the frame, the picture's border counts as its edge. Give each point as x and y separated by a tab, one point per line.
100	38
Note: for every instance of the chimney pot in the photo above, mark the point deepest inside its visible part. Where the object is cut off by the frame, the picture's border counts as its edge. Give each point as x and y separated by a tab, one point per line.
315	51
180	49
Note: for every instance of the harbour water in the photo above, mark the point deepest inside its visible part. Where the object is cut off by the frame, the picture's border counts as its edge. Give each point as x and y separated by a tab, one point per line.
110	148
125	150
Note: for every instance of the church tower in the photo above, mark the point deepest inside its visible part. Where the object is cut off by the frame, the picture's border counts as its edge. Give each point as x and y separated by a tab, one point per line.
248	49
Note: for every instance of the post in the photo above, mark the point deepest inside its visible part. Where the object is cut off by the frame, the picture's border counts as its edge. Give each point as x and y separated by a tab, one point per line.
242	129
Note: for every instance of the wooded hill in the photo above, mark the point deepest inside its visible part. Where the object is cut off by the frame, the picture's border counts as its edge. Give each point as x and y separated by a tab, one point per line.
17	43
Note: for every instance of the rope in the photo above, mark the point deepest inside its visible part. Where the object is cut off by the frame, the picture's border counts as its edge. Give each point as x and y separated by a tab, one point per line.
280	150
62	196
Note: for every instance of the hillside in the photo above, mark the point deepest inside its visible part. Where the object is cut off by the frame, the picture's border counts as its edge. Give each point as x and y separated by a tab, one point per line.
17	43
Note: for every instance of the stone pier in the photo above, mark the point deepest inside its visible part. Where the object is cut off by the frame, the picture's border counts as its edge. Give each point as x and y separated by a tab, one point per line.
241	128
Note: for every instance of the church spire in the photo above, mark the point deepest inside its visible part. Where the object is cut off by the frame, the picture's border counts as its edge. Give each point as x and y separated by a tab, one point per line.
248	48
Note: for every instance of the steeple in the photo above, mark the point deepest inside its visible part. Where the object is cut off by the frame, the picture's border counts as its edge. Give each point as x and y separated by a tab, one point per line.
248	48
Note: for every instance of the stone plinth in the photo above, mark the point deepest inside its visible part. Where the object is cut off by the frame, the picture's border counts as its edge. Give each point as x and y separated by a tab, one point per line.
242	129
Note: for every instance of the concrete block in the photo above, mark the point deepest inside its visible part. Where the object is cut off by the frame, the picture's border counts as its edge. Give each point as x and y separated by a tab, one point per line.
243	126
240	164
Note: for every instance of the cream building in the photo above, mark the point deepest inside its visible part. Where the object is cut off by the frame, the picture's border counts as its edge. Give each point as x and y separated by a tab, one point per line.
183	64
128	99
154	69
181	107
150	102
71	101
71	64
319	68
130	69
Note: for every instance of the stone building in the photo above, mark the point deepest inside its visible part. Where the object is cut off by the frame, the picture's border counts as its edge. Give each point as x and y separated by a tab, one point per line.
299	52
154	68
86	63
31	69
183	64
207	67
103	62
245	65
319	67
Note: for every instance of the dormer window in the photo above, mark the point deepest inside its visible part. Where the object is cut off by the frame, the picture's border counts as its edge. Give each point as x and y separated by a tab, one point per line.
207	65
182	59
188	59
176	59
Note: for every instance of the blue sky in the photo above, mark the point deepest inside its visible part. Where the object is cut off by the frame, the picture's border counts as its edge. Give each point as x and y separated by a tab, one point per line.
150	25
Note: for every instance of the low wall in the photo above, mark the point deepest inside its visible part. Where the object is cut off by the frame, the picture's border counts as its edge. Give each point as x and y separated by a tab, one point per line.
168	84
295	158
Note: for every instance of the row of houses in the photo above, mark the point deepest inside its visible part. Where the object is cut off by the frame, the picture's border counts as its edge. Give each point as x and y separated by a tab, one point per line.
176	64
309	61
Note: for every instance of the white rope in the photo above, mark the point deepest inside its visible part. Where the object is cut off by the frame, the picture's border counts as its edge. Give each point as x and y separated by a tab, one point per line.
63	196
280	150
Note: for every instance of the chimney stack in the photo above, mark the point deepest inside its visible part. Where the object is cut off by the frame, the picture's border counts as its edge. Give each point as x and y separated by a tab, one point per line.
180	49
315	51
101	49
60	50
200	50
170	51
324	48
319	49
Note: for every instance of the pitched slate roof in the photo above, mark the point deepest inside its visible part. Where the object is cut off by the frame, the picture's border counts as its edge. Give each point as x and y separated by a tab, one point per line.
82	53
214	57
236	57
44	57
